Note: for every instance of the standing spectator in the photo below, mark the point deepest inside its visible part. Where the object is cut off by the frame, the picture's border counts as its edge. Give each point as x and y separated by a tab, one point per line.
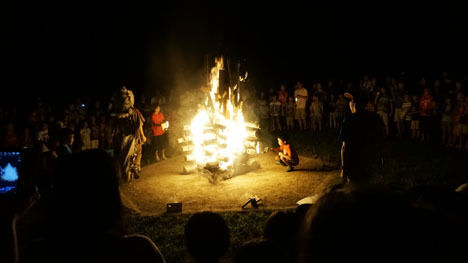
397	93
71	116
275	108
320	93
405	109
340	112
42	138
93	126
26	140
159	135
85	135
290	110
413	116
331	87
11	138
446	122
282	95
109	137
66	140
283	99
316	114
426	113
462	124
331	112
382	101
422	84
97	110
301	96
102	131
33	121
361	137
263	111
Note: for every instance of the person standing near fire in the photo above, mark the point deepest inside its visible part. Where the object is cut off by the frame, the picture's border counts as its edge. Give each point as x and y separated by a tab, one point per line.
301	95
128	133
159	127
362	135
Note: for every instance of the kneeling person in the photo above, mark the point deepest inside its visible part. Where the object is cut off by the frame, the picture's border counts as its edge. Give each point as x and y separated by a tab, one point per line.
287	156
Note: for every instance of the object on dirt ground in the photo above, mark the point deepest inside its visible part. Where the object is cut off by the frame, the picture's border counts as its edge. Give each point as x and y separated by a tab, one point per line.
308	200
254	201
174	207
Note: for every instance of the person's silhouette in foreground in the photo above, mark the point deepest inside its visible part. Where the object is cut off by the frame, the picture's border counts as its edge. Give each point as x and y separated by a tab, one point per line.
86	216
207	237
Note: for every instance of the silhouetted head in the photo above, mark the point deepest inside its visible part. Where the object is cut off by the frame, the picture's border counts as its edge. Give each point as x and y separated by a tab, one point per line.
207	237
86	198
281	229
66	136
357	100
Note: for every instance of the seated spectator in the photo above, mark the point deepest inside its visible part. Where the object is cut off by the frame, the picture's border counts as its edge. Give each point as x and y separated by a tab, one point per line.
259	251
207	237
368	224
281	229
86	216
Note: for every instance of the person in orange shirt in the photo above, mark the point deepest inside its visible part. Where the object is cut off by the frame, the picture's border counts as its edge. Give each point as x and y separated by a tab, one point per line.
159	134
287	155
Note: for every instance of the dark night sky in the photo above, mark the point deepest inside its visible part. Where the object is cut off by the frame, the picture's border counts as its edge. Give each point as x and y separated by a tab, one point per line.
58	47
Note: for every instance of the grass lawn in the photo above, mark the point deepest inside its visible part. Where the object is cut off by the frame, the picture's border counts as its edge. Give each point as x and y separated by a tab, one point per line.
407	165
167	231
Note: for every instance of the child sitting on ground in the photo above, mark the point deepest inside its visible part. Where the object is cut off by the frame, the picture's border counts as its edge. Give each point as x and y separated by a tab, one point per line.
287	156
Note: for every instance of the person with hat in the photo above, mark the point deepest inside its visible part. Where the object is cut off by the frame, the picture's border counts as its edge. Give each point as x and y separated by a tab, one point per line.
362	134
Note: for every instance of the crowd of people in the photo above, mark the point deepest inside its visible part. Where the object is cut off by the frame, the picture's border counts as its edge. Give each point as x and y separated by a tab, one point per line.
83	124
425	110
364	223
359	220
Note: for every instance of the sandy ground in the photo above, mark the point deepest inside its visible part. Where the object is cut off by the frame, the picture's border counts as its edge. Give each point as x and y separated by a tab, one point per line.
161	183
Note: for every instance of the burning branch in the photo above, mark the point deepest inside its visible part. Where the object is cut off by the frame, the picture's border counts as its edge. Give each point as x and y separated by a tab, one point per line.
218	138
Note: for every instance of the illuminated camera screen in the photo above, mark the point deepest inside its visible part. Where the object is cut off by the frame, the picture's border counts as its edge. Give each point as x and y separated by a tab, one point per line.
9	163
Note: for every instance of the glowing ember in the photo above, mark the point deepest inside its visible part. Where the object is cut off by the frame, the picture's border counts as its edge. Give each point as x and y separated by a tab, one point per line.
219	134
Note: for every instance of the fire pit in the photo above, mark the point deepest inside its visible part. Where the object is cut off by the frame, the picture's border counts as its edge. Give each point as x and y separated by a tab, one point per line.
219	143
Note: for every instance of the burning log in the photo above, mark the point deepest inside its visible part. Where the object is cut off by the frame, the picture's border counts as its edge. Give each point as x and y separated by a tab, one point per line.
186	139
188	148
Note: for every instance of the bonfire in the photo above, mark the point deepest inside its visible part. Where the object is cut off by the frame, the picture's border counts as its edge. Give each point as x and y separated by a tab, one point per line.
219	142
